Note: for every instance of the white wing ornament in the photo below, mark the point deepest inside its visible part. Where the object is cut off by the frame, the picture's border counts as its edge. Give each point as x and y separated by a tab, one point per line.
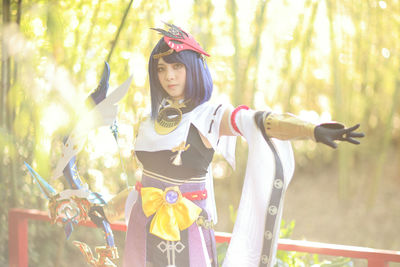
102	114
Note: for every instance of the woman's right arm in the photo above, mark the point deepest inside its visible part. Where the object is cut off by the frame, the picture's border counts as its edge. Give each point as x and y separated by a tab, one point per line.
286	126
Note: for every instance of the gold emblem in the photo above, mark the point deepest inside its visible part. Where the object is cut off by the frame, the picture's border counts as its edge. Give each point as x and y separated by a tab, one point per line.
169	117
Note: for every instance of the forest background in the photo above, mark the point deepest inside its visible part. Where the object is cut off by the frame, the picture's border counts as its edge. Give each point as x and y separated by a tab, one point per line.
323	60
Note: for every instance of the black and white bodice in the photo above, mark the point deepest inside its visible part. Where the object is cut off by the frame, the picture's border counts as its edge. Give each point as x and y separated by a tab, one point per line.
194	161
181	153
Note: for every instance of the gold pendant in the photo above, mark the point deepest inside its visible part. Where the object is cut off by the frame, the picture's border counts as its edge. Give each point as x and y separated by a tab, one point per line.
169	117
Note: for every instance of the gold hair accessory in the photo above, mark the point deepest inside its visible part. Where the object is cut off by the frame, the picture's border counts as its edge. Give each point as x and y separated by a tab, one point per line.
163	54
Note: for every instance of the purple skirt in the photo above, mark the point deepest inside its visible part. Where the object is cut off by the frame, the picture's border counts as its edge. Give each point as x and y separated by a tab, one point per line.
141	247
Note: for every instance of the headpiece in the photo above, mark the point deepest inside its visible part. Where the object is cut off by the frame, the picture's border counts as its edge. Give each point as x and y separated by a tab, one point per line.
178	40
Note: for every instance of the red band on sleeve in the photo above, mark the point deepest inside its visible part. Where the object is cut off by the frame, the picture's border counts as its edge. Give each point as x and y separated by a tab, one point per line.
233	117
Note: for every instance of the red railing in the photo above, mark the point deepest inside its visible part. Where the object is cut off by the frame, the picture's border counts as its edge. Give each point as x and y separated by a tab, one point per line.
18	242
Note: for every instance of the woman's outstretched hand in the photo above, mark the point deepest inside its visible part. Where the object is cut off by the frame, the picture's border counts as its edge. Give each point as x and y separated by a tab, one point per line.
327	133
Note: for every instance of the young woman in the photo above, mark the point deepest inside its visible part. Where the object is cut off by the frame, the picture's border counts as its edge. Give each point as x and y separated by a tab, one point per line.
171	223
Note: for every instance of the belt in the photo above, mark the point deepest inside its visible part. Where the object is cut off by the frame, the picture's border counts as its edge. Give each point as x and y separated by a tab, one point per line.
173	181
194	195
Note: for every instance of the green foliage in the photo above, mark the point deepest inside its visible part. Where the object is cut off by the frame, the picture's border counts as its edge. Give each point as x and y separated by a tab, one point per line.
286	229
296	259
293	258
221	252
232	214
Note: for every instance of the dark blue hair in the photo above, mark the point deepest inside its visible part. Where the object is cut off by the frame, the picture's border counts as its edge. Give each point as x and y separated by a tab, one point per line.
198	86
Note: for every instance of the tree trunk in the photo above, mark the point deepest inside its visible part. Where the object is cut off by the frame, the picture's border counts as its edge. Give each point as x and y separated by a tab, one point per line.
18	20
232	9
286	69
305	46
236	179
88	39
5	65
202	10
338	101
119	31
254	55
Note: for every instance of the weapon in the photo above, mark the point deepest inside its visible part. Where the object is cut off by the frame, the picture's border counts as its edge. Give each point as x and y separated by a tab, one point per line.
79	203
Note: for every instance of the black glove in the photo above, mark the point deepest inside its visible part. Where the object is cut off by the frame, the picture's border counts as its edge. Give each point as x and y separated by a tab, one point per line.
326	133
96	214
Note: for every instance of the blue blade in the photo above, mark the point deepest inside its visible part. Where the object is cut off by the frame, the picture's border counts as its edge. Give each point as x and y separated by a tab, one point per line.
101	91
47	190
109	234
71	174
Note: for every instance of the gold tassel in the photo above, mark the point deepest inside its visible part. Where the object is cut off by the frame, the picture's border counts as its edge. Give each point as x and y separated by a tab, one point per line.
177	159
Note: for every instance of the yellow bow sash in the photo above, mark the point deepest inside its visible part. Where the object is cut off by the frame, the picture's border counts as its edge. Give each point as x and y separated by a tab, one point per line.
169	218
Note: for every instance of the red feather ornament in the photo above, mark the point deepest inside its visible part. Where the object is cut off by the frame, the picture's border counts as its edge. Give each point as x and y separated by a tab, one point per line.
178	40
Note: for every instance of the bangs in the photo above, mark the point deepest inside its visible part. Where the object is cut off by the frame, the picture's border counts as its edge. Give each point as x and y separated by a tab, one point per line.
170	59
174	58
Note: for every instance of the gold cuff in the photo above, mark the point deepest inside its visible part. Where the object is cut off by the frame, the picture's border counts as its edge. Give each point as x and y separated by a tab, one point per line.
115	208
287	126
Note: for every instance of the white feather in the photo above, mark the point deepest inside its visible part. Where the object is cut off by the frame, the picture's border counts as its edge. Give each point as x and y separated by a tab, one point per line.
102	114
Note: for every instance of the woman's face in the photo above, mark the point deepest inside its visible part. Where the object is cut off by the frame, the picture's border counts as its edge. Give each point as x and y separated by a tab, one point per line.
172	78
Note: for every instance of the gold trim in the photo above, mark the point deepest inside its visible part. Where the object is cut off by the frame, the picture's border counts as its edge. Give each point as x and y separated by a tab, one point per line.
175	189
163	54
170	180
164	124
105	254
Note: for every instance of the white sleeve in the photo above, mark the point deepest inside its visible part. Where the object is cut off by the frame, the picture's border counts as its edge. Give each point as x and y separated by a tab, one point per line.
249	232
208	121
